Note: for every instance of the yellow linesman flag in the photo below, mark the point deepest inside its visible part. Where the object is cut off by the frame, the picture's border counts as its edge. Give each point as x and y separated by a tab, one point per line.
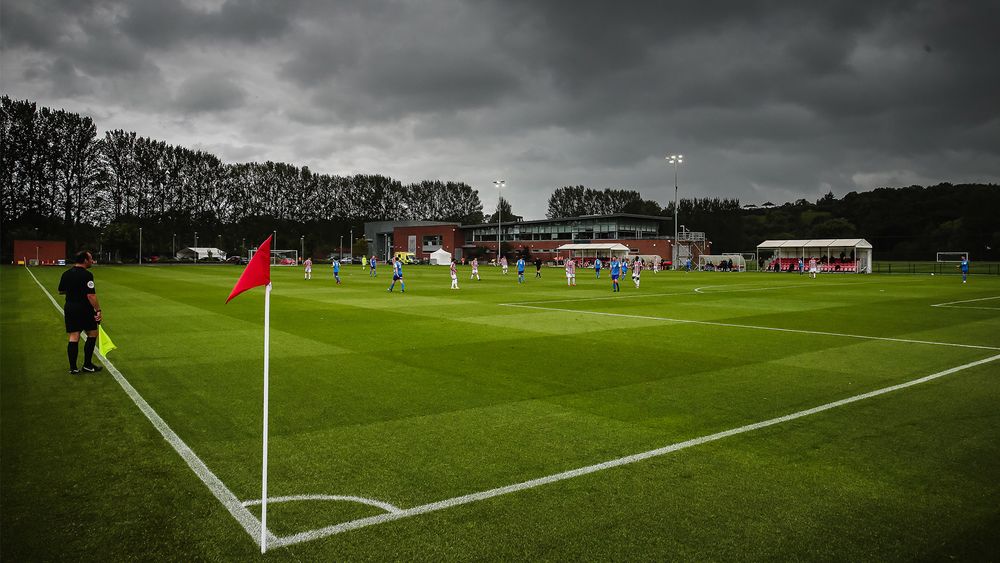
104	342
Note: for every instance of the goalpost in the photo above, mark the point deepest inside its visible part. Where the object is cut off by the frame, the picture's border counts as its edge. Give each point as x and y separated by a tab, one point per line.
951	256
720	263
281	257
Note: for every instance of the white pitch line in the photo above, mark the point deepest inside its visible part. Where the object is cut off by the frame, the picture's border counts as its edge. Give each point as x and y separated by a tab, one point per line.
246	519
755	327
951	304
696	290
483	495
388	507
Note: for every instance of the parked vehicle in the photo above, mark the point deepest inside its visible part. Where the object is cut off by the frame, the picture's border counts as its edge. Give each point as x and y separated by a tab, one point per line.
406	257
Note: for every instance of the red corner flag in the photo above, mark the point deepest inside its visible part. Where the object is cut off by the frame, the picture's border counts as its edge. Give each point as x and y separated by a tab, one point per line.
257	272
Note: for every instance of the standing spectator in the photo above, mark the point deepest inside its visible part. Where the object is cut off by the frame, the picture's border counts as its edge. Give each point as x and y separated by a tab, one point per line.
82	311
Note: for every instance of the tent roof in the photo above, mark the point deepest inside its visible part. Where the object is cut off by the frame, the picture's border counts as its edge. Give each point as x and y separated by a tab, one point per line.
202	250
440	252
604	246
816	243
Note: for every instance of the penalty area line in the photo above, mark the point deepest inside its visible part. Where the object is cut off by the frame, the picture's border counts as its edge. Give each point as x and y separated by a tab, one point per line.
953	304
246	519
484	495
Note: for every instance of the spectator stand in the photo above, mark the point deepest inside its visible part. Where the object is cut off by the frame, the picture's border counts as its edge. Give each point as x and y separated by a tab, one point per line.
832	255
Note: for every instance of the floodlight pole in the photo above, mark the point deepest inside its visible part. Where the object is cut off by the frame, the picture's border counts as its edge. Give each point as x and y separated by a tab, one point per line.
499	184
173	246
140	246
196	246
676	160
341	248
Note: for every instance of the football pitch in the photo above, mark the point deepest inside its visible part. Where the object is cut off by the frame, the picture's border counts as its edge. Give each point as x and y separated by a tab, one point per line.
703	416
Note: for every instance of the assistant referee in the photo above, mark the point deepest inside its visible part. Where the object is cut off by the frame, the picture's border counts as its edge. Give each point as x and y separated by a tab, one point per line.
82	311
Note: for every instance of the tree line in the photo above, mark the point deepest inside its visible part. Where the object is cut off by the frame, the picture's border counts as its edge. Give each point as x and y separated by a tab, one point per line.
911	223
60	179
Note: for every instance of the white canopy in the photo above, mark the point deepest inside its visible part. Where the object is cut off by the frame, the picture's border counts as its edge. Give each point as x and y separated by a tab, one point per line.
615	247
858	249
441	257
816	243
200	253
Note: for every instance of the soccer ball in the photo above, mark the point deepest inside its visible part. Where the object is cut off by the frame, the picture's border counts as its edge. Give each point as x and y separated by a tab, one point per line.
932	273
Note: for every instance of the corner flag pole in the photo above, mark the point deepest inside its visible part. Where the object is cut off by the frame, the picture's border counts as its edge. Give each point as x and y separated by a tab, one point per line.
263	486
258	273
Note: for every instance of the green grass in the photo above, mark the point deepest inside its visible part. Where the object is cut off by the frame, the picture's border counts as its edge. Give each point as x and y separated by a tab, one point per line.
419	397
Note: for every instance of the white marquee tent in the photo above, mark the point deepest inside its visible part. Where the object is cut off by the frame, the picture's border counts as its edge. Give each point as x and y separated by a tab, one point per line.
857	252
200	253
441	257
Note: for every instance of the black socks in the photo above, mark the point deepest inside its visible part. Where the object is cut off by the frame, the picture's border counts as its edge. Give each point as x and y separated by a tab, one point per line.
88	352
72	350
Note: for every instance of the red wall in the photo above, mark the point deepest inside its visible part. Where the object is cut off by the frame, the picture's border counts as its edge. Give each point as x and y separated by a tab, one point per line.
451	237
47	251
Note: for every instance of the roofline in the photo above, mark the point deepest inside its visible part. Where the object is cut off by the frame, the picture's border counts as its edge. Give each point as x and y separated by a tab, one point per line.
577	218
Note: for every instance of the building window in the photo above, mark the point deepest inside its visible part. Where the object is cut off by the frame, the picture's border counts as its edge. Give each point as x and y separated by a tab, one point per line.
432	242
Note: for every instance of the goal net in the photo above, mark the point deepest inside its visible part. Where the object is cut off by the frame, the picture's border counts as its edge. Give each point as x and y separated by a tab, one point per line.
722	263
281	257
951	256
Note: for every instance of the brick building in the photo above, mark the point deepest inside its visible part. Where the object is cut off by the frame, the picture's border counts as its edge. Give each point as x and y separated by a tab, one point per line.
40	252
642	234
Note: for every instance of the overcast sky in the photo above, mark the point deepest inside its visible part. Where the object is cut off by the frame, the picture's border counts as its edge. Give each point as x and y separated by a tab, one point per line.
767	100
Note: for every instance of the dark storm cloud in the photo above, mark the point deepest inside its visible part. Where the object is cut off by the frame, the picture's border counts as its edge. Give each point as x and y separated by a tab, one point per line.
209	93
163	23
769	99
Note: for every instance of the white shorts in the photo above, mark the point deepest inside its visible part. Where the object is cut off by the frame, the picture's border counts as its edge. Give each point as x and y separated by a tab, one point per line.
454	276
309	270
570	276
813	270
475	271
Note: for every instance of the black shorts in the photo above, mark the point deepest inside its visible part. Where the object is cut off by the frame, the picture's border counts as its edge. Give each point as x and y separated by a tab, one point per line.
79	318
395	277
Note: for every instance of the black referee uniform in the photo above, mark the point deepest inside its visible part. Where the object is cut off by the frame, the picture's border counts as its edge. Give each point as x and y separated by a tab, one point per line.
77	283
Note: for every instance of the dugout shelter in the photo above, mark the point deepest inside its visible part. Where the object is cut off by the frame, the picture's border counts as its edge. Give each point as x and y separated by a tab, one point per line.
844	255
